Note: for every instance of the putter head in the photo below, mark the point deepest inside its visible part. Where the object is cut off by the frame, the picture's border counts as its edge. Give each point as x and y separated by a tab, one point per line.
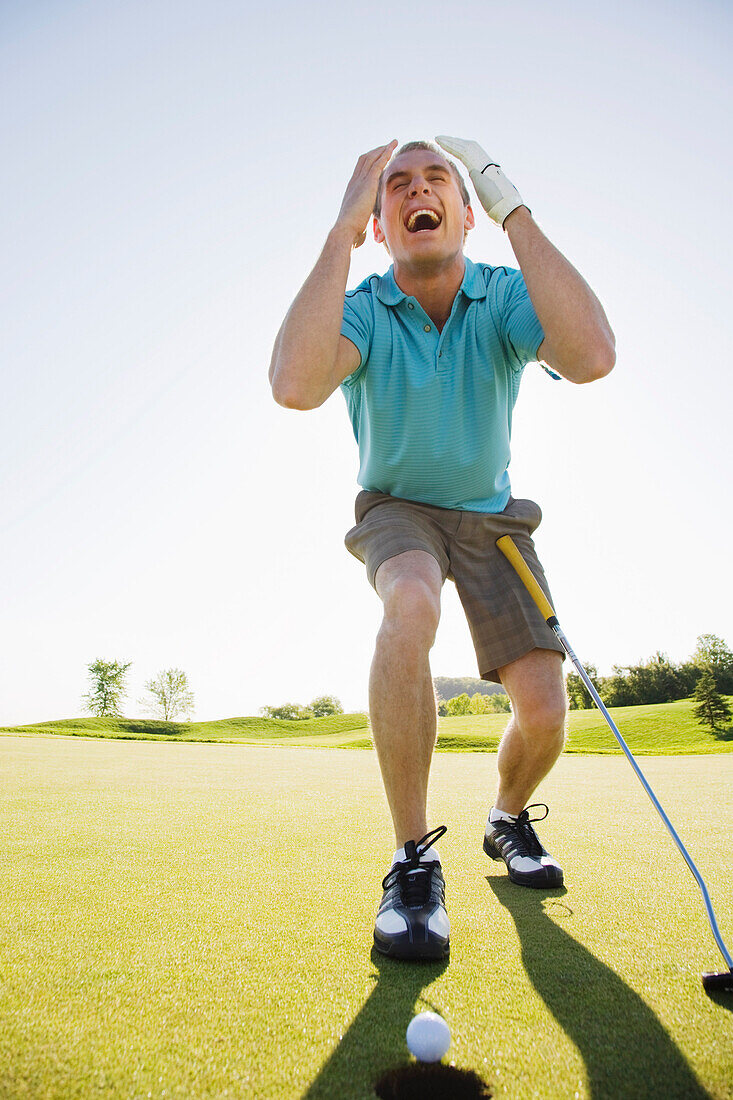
718	983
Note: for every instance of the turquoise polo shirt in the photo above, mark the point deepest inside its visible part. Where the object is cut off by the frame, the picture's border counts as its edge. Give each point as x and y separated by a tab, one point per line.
432	411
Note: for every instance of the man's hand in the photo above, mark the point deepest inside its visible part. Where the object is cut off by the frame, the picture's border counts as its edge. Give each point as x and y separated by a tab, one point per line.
496	194
361	192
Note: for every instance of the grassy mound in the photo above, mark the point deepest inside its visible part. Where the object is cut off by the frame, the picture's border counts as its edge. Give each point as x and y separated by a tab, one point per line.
661	729
664	729
236	730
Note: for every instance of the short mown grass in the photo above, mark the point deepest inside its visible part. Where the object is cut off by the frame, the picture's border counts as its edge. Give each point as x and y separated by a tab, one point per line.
194	922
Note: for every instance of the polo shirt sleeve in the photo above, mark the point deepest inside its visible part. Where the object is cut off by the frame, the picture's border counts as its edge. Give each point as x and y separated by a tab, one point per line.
357	325
521	331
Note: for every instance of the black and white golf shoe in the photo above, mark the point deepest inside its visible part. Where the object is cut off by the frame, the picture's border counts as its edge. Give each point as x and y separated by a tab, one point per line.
518	845
412	922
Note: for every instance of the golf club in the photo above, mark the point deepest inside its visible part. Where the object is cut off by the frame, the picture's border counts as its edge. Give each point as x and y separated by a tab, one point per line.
713	982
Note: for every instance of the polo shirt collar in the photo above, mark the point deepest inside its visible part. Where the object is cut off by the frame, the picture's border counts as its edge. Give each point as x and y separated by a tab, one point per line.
473	285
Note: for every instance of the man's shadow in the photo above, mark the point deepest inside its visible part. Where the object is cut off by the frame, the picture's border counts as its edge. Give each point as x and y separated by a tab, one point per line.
375	1038
626	1050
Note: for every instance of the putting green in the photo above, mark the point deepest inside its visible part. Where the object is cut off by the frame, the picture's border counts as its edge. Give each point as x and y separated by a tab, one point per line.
188	920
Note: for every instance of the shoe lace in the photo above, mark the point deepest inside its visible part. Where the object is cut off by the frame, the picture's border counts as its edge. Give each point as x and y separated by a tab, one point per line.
415	878
530	843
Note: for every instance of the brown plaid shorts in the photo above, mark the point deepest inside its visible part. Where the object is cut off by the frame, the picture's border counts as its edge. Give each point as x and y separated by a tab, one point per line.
504	621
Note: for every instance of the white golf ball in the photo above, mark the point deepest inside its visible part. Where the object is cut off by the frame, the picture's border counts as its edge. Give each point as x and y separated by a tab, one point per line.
428	1037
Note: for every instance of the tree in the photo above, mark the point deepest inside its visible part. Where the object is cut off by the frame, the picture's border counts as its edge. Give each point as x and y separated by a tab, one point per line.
479	704
459	704
655	681
447	687
496	703
615	690
711	652
578	694
712	709
108	688
170	695
325	705
292	712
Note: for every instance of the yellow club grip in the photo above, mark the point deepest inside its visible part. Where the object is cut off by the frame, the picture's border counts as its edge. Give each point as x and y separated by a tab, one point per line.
509	550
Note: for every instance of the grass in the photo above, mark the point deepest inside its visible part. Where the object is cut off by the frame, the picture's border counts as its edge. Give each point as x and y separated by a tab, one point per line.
194	921
664	729
230	730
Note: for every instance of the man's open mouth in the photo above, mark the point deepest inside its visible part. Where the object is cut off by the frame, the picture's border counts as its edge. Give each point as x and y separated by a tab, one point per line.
422	219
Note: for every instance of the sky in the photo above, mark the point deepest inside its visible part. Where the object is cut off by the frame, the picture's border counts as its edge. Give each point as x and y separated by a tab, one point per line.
170	172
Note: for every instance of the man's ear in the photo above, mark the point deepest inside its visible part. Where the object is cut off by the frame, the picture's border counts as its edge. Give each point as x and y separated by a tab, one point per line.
379	236
469	220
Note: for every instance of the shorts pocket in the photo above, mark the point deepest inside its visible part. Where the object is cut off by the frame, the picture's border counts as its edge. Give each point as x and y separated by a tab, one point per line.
526	511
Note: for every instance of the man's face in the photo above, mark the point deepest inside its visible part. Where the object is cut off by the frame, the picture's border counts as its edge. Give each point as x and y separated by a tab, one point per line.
422	214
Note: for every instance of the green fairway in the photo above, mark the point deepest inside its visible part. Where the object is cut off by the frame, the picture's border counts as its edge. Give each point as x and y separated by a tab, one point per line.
659	730
194	921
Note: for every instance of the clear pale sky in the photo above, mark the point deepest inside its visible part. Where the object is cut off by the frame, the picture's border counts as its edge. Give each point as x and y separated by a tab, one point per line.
170	171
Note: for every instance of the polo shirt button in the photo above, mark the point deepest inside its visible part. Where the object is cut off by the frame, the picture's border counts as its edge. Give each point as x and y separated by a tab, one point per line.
410	305
427	328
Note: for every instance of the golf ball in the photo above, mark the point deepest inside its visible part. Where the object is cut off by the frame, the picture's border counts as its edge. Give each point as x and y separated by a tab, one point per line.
428	1037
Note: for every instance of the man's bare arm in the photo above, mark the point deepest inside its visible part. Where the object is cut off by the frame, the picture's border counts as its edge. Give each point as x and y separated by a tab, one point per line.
578	342
311	357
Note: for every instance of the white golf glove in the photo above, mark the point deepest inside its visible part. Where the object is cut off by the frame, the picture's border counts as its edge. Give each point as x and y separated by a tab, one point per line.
496	194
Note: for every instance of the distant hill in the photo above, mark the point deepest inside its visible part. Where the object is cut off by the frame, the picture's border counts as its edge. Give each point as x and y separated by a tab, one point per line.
447	687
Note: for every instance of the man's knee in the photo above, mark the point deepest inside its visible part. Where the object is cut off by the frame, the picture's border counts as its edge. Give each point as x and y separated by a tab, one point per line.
542	716
409	586
536	689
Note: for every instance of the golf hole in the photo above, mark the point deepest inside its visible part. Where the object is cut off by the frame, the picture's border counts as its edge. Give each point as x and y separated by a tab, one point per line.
434	1081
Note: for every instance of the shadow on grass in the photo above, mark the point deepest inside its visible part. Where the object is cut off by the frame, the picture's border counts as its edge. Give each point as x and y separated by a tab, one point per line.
375	1038
626	1050
724	734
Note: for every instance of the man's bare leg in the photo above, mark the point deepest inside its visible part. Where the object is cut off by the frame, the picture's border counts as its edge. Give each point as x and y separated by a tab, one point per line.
401	693
535	736
531	744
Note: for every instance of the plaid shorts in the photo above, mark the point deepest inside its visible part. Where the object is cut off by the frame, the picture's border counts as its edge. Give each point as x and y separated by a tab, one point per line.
504	621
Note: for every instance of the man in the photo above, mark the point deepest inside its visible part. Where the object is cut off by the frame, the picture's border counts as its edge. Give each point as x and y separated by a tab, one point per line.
429	358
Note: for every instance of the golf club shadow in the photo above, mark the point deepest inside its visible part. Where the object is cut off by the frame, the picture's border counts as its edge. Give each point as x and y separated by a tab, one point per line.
626	1050
375	1038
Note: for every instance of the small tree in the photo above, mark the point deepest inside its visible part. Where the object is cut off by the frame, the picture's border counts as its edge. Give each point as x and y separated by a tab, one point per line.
479	704
496	703
499	703
325	705
292	712
712	709
713	653
108	688
579	697
615	691
458	705
170	695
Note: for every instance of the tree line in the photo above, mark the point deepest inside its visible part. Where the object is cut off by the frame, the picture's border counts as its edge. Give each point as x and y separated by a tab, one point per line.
294	712
707	675
657	680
